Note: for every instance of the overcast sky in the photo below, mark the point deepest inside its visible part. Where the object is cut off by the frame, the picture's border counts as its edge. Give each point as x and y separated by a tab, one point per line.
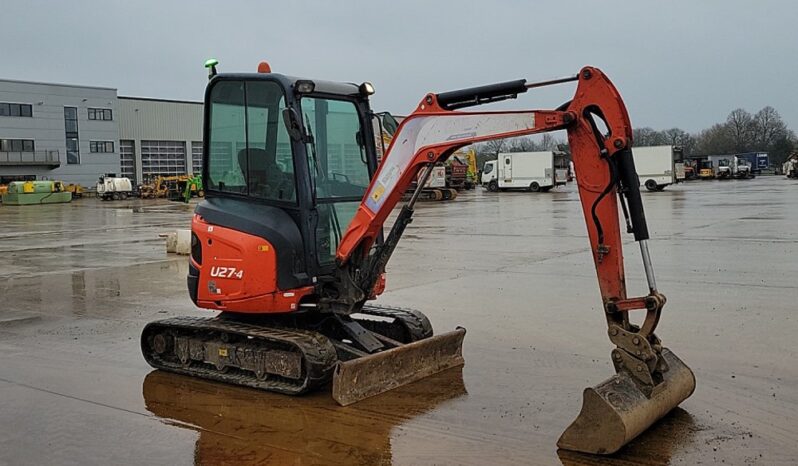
676	63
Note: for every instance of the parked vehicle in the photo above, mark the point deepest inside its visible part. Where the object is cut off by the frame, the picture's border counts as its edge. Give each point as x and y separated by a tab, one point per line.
456	173
790	167
185	188
724	171
706	170
113	187
758	161
532	171
36	192
75	189
741	168
657	167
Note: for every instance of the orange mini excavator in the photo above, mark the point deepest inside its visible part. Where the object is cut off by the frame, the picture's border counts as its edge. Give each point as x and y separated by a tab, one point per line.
288	243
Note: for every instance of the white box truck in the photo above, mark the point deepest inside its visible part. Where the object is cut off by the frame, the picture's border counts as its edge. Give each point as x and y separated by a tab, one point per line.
531	171
656	166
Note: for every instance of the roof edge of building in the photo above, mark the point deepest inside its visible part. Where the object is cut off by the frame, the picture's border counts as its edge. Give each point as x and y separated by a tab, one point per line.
44	83
153	99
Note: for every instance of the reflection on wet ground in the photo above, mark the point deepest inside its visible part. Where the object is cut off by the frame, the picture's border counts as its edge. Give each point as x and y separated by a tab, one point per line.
673	433
237	426
79	281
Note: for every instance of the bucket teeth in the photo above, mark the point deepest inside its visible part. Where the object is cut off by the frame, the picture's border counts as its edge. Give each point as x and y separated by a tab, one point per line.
616	411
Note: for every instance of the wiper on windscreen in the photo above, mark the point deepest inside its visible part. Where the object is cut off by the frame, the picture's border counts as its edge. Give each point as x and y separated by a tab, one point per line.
311	140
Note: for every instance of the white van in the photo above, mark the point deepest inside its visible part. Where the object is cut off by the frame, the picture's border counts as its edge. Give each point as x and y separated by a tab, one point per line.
532	171
656	166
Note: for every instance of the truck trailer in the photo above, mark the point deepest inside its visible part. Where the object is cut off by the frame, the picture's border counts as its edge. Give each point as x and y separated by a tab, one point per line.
531	171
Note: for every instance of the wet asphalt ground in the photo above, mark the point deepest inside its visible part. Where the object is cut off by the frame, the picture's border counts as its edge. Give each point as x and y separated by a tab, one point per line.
79	281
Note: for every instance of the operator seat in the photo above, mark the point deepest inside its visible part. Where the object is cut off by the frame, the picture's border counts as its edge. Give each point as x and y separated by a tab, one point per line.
265	178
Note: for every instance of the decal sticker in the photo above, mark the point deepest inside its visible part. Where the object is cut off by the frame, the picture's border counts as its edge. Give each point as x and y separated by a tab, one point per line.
227	272
378	191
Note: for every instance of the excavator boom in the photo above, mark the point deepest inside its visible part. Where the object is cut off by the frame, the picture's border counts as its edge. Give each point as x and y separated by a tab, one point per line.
650	380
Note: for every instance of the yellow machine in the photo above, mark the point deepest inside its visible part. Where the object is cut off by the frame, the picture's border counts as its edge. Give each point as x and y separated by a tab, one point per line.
76	190
706	170
171	187
469	156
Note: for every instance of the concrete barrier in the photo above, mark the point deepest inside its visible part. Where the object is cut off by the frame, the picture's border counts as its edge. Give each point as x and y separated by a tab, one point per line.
178	242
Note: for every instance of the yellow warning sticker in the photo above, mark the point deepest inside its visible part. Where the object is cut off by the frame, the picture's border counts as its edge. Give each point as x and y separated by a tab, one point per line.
223	352
378	192
263	247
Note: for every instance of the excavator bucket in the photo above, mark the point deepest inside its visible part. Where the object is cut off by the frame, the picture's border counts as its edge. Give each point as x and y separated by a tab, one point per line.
616	411
371	375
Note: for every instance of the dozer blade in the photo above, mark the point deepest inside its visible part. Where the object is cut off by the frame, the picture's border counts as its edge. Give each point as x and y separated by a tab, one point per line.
615	411
371	375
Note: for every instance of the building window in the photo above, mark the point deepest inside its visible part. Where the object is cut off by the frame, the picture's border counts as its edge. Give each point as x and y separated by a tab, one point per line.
101	146
163	158
196	157
101	114
17	110
16	145
127	159
71	130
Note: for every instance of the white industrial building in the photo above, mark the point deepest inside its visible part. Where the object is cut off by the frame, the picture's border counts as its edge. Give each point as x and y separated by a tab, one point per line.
77	133
159	137
57	131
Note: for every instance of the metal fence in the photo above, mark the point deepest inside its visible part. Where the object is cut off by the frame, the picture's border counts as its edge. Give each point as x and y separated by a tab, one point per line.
39	157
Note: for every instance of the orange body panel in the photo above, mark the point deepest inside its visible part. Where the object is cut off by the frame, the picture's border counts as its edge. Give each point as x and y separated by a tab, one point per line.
239	272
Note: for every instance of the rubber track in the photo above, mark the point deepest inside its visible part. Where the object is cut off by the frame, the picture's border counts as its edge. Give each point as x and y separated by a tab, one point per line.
319	355
416	323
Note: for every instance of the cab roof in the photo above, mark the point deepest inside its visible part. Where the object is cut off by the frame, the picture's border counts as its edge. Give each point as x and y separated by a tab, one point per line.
321	86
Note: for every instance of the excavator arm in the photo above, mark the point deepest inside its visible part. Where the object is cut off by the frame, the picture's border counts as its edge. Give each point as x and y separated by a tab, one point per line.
650	380
603	165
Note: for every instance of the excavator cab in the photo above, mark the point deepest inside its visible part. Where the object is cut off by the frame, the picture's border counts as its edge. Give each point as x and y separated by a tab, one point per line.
302	151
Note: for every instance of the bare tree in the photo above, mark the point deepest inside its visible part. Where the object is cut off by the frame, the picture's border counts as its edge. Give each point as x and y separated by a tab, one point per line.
782	147
648	137
714	140
494	146
520	144
549	142
740	125
768	127
679	137
642	136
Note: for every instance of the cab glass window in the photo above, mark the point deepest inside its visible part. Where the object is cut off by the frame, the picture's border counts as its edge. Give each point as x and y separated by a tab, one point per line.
336	155
338	167
249	149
